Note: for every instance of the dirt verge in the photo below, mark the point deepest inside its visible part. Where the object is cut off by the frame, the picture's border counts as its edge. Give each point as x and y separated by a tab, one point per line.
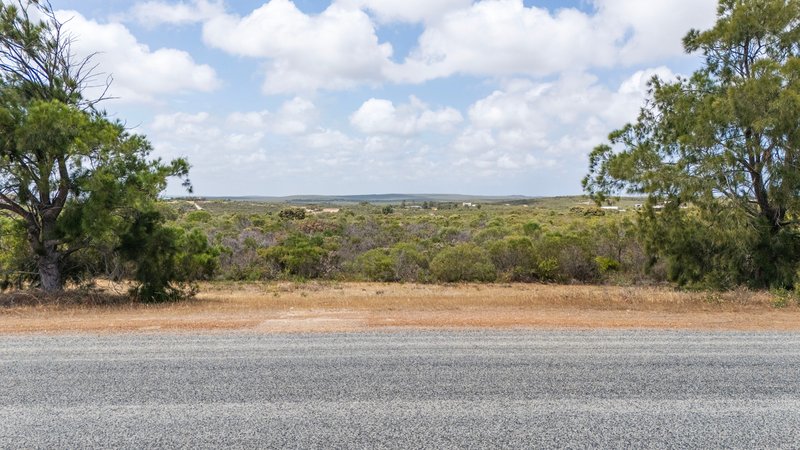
328	307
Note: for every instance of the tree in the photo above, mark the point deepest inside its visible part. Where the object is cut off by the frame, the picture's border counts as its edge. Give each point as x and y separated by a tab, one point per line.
74	179
725	140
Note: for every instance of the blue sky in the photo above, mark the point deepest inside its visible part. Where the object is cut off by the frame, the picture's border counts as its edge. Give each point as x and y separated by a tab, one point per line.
287	97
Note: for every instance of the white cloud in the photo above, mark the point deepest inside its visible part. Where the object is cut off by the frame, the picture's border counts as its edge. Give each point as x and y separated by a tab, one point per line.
411	11
139	73
294	117
152	13
656	27
505	38
378	116
532	125
336	49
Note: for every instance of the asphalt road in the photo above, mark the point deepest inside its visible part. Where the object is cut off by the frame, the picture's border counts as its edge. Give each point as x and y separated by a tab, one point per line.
402	390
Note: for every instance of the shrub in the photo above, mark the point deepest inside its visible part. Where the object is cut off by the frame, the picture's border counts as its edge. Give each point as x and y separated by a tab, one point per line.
464	262
547	269
403	262
606	265
577	264
292	214
410	263
198	216
514	257
168	259
531	229
377	265
299	255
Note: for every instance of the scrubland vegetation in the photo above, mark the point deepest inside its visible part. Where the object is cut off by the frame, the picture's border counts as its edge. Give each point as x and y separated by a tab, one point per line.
566	240
561	240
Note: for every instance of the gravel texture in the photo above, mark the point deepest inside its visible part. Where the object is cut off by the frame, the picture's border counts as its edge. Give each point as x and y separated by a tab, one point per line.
485	389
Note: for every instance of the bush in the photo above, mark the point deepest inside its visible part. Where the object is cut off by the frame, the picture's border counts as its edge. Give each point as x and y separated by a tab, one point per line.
464	262
292	214
514	257
547	269
377	265
410	263
403	262
606	265
299	255
532	229
167	259
198	216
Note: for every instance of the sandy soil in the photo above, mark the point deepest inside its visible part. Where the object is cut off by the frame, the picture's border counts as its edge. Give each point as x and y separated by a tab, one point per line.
328	307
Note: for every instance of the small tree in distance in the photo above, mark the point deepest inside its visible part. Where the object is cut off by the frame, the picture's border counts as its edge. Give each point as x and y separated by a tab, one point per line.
74	179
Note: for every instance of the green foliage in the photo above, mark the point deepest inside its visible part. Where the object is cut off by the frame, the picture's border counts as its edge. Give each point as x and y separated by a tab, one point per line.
198	216
402	262
361	243
292	214
167	259
17	265
547	269
299	255
783	298
377	265
724	140
606	265
532	229
463	262
514	257
388	209
75	181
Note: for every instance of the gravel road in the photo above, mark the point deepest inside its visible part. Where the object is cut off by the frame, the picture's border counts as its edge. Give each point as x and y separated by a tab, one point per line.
483	389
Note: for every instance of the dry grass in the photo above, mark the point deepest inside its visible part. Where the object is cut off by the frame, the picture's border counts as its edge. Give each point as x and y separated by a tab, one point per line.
288	307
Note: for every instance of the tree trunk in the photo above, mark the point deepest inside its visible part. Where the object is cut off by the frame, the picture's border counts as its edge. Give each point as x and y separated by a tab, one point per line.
48	258
50	271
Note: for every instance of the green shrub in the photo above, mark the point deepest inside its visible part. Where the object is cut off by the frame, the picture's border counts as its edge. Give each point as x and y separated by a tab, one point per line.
402	262
514	257
167	259
198	216
547	269
409	263
606	265
492	233
292	214
298	255
783	298
464	262
377	265
531	229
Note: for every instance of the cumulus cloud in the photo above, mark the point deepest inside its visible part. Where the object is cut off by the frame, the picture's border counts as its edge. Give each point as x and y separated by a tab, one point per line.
533	125
506	38
152	13
377	116
139	73
411	11
339	48
655	28
294	117
336	49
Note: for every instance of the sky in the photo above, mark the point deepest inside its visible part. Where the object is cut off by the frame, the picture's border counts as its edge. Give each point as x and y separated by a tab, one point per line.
337	97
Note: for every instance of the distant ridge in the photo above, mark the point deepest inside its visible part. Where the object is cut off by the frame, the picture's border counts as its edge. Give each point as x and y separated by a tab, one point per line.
377	198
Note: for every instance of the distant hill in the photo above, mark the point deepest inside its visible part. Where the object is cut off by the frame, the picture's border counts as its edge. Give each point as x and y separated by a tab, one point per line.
377	198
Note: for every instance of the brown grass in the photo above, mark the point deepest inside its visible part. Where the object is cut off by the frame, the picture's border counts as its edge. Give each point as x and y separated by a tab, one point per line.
288	307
